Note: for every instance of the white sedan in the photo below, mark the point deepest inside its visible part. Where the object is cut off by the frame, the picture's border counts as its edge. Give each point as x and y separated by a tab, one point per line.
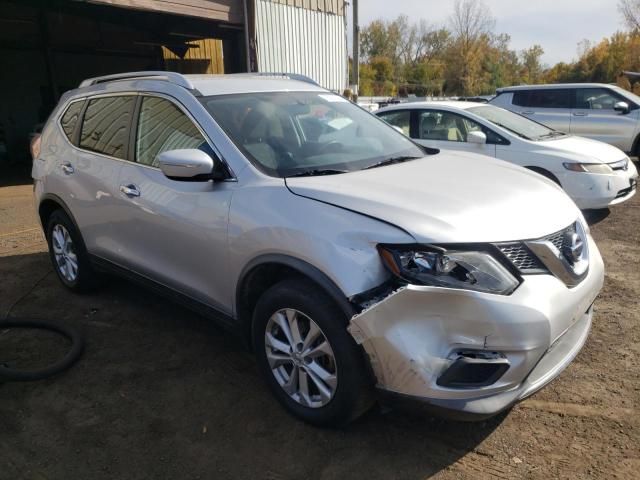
594	174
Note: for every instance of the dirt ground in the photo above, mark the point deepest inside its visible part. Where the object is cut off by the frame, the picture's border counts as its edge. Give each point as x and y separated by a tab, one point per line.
162	393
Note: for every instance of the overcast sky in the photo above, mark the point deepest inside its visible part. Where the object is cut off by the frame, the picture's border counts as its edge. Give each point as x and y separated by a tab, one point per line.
557	25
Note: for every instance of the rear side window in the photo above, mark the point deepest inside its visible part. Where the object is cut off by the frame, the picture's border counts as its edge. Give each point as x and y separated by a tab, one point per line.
163	126
106	125
70	118
543	98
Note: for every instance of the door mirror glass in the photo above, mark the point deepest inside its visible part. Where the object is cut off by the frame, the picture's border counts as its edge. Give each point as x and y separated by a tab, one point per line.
476	137
186	164
622	107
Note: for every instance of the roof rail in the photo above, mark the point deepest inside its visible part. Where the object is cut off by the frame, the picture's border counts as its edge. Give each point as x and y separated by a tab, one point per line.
172	77
292	76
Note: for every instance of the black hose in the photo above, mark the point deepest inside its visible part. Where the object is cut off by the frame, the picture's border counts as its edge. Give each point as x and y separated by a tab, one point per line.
77	346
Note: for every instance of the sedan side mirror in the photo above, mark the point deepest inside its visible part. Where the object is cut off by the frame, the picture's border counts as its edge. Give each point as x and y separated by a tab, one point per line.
188	165
477	137
622	107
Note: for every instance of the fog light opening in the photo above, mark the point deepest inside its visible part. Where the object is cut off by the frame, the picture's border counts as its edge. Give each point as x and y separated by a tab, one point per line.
474	369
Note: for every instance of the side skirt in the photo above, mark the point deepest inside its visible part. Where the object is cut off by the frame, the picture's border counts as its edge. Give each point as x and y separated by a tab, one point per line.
225	321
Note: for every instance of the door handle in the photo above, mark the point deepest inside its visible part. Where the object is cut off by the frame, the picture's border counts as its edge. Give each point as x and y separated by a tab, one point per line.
130	190
580	114
67	168
527	112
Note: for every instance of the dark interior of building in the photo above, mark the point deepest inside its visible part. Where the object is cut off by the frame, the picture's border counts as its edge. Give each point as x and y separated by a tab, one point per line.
48	47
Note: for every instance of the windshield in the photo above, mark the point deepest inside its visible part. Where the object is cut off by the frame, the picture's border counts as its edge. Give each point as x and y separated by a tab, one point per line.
297	133
517	124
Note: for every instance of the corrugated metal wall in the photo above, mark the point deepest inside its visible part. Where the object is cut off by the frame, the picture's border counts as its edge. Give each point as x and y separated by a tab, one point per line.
206	57
295	39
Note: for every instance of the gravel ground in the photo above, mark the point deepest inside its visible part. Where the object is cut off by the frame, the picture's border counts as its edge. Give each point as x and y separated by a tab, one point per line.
163	393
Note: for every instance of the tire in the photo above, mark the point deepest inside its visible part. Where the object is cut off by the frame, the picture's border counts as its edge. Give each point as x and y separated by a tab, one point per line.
74	268
327	403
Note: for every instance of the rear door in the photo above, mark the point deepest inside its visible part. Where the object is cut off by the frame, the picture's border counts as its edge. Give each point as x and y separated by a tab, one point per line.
88	172
593	116
174	232
448	130
549	106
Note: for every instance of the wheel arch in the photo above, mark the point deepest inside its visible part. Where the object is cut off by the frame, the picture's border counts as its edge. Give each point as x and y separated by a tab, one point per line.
545	173
49	204
264	271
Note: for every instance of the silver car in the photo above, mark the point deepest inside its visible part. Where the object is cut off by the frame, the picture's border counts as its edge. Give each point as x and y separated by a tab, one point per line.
598	111
353	260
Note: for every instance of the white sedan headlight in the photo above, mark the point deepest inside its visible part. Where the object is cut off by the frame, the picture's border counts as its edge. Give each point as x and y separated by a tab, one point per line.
588	167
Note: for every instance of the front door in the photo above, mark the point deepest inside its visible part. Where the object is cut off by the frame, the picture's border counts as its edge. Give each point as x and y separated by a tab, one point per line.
174	232
593	116
448	130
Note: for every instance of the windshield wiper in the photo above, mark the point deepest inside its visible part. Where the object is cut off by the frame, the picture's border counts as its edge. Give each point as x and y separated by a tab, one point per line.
391	161
555	133
318	172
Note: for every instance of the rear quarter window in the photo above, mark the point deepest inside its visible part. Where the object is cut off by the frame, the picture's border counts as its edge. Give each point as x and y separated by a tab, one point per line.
70	118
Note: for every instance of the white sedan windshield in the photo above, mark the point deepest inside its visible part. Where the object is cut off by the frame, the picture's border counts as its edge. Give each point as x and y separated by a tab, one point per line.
297	133
521	126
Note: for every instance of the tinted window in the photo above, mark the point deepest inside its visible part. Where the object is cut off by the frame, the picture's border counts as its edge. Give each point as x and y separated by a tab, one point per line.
69	120
399	118
163	126
596	99
542	98
105	128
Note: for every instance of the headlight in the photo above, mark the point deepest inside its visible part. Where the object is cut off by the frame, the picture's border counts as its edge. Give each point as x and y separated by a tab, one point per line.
469	270
588	167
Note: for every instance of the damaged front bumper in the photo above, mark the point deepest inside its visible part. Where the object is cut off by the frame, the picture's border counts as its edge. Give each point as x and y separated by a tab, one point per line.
415	335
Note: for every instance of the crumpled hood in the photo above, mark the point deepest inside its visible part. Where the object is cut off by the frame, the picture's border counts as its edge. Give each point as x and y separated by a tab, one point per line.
451	197
586	149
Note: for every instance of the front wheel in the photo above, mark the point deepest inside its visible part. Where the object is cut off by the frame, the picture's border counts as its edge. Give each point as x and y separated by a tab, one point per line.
310	361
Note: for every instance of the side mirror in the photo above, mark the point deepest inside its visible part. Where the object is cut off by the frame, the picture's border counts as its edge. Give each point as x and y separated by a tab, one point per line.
477	137
187	165
622	107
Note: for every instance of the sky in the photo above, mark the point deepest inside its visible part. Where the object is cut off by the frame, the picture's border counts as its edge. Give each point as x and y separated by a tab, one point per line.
557	25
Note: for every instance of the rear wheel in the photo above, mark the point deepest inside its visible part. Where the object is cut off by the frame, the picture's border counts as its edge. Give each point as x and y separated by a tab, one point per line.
309	360
68	256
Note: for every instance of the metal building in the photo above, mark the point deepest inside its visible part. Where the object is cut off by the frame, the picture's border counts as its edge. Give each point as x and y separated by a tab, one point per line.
49	46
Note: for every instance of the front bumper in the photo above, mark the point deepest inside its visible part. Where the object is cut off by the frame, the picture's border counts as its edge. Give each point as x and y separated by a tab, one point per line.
591	190
412	336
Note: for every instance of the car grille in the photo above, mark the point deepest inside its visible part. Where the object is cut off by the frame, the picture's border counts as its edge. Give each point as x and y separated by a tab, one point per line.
524	259
620	165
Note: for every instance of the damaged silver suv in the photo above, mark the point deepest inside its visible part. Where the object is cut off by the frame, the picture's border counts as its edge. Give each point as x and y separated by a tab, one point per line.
352	259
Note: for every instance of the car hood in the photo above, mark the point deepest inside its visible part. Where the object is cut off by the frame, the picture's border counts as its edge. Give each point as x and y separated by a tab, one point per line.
449	198
585	148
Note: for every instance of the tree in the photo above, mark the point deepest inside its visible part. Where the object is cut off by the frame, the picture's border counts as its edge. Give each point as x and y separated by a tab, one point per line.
630	10
471	24
532	71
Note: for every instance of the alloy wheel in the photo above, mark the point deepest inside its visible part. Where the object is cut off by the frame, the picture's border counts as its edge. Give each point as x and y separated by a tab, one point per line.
301	358
64	253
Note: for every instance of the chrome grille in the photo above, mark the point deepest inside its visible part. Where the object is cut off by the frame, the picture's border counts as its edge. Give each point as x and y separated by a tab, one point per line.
524	259
521	256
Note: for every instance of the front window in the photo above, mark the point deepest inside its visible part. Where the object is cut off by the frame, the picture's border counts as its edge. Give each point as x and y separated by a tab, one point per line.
595	99
517	124
294	133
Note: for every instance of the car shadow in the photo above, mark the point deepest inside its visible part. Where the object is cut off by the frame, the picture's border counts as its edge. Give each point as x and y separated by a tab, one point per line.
593	217
15	174
160	388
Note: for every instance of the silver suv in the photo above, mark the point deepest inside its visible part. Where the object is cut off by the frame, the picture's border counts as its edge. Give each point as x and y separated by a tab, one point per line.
352	259
602	112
